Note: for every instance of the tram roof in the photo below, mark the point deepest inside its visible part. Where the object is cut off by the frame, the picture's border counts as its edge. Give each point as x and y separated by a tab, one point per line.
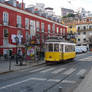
61	40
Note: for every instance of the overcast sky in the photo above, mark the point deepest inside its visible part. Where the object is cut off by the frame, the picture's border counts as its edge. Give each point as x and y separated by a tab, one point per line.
57	4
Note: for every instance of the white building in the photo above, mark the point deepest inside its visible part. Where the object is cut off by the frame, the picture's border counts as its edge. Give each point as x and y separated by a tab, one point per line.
84	32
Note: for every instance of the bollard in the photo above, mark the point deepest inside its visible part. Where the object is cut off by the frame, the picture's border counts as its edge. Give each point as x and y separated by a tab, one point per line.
60	89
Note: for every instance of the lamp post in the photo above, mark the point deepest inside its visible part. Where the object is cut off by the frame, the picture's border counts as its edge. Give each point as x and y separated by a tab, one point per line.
17	41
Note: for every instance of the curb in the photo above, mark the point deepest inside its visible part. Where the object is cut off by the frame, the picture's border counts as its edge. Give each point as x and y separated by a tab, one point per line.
6	72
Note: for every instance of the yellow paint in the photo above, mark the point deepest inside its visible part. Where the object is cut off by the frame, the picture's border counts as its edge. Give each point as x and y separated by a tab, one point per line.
73	28
69	55
53	56
57	56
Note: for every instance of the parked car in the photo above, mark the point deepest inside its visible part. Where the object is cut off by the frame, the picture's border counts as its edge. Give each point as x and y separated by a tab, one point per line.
81	49
78	50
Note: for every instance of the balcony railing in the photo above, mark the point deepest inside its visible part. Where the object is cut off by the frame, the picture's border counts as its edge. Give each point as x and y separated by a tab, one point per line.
89	29
5	23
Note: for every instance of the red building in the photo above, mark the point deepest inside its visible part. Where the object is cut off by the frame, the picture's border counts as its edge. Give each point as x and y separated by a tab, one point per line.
20	23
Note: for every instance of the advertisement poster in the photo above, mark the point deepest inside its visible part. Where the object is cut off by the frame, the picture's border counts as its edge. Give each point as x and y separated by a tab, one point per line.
31	52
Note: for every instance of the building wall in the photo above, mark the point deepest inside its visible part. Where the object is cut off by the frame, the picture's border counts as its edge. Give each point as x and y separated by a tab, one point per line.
13	29
83	34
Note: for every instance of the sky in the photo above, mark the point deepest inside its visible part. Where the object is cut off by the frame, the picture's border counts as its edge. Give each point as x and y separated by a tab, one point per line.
58	4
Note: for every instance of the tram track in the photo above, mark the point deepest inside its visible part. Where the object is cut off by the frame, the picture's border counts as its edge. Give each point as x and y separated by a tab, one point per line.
27	73
55	84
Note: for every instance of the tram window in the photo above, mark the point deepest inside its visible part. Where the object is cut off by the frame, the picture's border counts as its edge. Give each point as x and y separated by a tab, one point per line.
61	47
50	47
69	48
46	46
56	47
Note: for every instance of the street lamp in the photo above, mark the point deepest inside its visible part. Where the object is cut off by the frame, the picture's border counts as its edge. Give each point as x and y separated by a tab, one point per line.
17	41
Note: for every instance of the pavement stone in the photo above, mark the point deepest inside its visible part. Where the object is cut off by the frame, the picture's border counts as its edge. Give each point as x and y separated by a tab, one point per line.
86	84
4	65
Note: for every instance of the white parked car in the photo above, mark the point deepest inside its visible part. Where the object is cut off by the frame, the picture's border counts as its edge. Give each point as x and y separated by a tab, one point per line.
78	50
81	49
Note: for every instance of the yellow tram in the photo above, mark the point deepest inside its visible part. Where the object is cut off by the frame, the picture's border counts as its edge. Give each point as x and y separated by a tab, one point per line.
58	50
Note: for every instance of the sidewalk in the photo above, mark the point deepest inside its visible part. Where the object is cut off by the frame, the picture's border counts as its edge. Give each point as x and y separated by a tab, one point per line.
4	65
86	85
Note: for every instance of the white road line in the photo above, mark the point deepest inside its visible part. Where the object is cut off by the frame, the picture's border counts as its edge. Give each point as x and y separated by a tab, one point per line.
20	82
37	69
81	72
90	57
68	81
53	80
47	70
13	84
59	70
39	79
69	71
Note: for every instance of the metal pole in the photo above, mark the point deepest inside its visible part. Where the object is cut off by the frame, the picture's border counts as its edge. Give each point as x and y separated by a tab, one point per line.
10	64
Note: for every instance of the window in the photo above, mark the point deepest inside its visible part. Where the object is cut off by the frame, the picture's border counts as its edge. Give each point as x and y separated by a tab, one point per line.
78	28
32	28
5	40
90	27
50	47
61	47
78	33
78	39
84	32
27	35
53	27
57	29
56	47
18	21
84	39
69	48
61	31
42	27
38	26
5	18
49	28
5	33
84	28
26	23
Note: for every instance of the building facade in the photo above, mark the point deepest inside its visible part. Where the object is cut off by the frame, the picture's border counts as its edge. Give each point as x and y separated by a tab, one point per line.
84	34
19	27
65	11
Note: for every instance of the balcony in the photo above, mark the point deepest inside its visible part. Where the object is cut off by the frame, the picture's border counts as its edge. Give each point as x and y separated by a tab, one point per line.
5	23
18	25
82	30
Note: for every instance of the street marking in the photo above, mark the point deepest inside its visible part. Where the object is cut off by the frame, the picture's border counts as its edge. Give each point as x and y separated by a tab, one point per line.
68	81
37	69
69	71
59	70
13	84
47	70
90	57
37	79
81	72
53	80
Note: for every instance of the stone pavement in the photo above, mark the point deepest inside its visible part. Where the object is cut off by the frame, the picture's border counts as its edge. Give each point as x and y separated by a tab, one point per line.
86	84
4	65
